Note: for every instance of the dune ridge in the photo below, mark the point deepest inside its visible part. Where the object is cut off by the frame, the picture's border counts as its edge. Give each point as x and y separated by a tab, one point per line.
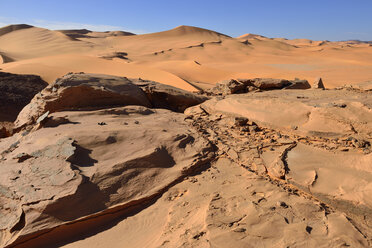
172	52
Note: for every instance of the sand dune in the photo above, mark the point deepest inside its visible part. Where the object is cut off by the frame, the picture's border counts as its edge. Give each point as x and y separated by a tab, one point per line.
11	28
94	153
85	33
174	51
38	42
5	59
251	36
56	66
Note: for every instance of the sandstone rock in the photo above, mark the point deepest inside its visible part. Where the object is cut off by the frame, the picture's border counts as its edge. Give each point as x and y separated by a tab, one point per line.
307	115
318	84
79	169
232	86
298	84
241	121
227	87
270	83
16	91
168	97
3	132
93	91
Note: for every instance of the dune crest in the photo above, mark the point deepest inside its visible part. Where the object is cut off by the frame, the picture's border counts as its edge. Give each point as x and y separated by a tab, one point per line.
14	27
220	57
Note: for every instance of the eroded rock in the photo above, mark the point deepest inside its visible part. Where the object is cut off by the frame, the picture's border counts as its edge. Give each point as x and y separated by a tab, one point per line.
92	91
228	87
318	84
60	173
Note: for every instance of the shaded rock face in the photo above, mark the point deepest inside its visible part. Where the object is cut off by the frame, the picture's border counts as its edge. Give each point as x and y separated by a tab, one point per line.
16	92
86	168
318	84
168	97
92	91
232	86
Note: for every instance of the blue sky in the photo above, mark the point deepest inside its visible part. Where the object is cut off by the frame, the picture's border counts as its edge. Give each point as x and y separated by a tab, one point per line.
313	19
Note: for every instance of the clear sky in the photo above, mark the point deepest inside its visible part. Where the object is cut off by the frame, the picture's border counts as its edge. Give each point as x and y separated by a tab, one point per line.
313	19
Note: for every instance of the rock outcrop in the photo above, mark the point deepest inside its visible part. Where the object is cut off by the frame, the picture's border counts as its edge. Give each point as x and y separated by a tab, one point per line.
93	91
332	113
233	86
270	168
318	84
16	92
315	144
78	169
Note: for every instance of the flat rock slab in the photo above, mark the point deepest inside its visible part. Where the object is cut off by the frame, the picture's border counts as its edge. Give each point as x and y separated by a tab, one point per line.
329	113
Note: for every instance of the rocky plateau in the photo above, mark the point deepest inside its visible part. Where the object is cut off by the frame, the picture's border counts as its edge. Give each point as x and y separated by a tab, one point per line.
249	163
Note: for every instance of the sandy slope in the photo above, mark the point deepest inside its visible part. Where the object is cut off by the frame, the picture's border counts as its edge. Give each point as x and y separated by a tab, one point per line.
182	55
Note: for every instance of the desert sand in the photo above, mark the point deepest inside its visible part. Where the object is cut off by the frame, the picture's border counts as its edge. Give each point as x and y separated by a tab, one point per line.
183	138
186	57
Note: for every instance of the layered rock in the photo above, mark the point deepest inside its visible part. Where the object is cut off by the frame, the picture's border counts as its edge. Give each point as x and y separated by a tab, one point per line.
82	164
331	113
314	143
233	86
92	91
273	168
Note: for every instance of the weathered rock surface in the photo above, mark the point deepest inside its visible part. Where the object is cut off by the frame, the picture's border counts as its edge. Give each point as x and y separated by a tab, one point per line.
16	91
168	97
314	143
267	187
232	86
92	91
282	168
229	206
333	113
79	169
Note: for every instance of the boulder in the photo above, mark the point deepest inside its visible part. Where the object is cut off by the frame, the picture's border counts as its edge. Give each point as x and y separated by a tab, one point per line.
168	97
298	84
94	91
227	87
270	83
318	84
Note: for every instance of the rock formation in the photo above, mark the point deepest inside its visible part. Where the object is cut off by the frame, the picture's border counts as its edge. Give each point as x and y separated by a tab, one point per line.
318	84
88	170
246	85
92	91
113	161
